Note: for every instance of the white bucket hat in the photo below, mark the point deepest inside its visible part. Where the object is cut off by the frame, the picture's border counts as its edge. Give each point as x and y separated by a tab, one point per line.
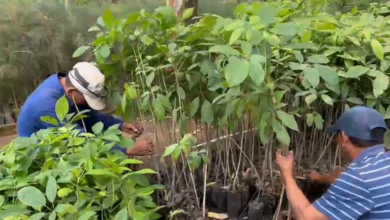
88	80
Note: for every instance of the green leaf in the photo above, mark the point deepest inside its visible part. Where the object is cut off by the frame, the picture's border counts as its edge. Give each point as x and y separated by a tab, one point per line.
49	120
108	18
256	71
273	40
126	142
64	192
258	58
100	22
356	71
98	128
1	200
319	122
355	100
310	98
207	112
377	48
144	171
131	161
87	215
287	119
236	35
267	14
181	92
297	66
234	25
328	74
187	13
111	137
149	79
328	100
158	109
194	107
51	189
121	215
37	216
385	64
165	100
224	49
354	40
80	51
306	36
52	216
124	103
309	119
246	48
312	75
236	71
319	59
103	51
65	208
168	13
298	55
169	150
380	84
62	108
281	134
94	28
146	39
285	29
100	172
31	196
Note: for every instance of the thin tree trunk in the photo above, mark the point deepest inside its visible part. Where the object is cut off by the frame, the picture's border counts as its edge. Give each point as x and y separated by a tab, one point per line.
7	109
68	3
181	5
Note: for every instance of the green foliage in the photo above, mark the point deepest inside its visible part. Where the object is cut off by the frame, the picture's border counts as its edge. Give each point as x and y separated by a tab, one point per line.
218	69
65	174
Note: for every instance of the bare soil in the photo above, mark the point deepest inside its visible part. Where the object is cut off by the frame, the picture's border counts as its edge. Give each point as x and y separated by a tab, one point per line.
4	140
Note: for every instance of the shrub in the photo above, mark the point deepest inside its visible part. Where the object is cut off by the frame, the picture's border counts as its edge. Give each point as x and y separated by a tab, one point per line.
61	173
269	60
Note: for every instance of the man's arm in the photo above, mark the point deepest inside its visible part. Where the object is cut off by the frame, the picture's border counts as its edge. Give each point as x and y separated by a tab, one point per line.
347	198
302	208
327	178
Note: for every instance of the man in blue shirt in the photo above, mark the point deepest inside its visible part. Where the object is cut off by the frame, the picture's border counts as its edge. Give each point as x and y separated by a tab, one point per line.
363	190
84	89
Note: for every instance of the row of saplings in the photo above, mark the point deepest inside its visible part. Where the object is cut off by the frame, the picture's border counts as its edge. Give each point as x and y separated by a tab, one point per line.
246	201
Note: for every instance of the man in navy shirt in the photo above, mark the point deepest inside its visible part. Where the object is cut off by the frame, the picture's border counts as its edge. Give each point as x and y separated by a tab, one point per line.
84	89
363	190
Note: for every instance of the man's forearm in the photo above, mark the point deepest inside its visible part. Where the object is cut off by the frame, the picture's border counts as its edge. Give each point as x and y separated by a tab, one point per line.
330	178
297	199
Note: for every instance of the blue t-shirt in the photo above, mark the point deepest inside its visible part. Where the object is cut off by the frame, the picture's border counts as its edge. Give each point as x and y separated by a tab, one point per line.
362	191
42	102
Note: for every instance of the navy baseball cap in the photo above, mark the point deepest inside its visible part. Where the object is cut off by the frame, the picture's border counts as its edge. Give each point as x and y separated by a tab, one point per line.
358	122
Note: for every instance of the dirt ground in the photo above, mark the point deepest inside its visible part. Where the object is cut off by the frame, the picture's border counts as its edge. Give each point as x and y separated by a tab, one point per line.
6	139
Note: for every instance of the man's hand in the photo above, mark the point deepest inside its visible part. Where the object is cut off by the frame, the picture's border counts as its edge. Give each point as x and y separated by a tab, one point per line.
133	129
286	164
328	179
141	148
314	176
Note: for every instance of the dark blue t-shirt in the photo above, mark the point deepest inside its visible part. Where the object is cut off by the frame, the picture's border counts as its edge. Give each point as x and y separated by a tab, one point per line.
42	102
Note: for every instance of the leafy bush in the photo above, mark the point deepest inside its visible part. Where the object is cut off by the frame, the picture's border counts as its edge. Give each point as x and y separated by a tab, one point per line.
270	61
65	174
